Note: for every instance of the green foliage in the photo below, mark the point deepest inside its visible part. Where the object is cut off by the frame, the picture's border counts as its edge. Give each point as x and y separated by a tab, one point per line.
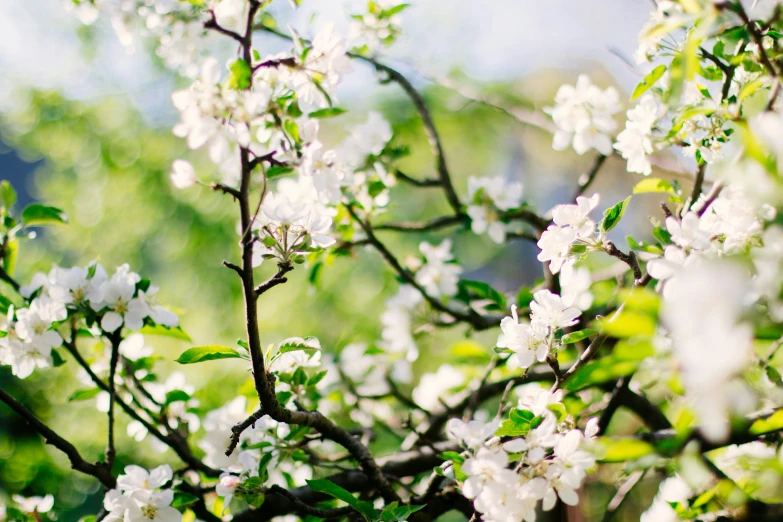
208	353
613	215
648	81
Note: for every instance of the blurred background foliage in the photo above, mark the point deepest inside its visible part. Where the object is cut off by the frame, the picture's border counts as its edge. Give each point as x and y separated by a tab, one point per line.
106	166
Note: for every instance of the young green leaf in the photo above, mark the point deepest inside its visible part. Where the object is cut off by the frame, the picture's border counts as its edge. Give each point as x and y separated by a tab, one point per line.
207	353
613	215
36	215
648	81
575	337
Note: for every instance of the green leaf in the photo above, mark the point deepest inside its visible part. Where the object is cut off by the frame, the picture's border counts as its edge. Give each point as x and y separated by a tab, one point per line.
36	215
483	290
623	449
277	171
8	194
57	359
399	8
772	423
182	499
333	490
600	371
294	344
575	337
649	185
240	75
174	333
748	89
519	423
83	395
627	323
328	112
613	215
292	129
452	456
207	353
648	81
177	396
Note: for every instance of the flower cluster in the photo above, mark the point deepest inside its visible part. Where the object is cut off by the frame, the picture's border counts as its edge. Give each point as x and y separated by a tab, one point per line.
439	274
489	197
141	495
537	340
634	142
572	225
258	459
545	459
584	116
122	299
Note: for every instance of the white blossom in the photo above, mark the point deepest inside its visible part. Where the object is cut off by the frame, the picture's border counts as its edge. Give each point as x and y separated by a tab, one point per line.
584	116
182	174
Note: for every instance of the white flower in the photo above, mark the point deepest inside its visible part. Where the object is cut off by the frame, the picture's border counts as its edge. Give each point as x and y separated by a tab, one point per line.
671	491
575	216
548	309
77	285
583	115
575	286
634	142
555	245
118	296
487	466
528	342
182	174
432	386
488	196
702	310
33	505
438	276
231	14
34	323
137	479
369	138
666	267
472	434
688	233
397	336
156	508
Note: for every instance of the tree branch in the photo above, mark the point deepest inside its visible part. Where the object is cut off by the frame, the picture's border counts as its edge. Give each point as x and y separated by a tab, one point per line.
99	471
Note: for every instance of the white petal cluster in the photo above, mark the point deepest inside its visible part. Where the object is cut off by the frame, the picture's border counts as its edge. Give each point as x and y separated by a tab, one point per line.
433	387
549	462
240	475
397	333
439	275
31	331
291	220
671	491
379	26
702	311
488	197
140	496
572	225
731	225
634	143
536	341
584	116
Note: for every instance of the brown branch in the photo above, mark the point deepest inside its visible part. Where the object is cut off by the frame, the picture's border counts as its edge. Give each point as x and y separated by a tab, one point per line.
99	471
433	224
277	279
240	427
697	185
420	105
176	443
400	175
111	451
469	316
586	179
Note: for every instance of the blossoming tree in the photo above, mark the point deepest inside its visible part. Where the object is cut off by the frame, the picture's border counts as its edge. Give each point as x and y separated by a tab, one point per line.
686	338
